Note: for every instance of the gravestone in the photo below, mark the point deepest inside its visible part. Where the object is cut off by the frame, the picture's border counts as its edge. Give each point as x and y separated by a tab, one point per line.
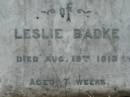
64	46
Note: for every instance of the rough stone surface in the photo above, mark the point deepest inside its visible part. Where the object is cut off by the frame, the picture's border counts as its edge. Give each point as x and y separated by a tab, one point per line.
32	14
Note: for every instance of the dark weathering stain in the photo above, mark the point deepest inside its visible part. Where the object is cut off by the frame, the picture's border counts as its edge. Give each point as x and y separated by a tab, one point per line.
30	92
37	17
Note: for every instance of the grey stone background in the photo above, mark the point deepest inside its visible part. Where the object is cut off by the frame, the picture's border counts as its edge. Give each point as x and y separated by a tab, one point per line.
22	14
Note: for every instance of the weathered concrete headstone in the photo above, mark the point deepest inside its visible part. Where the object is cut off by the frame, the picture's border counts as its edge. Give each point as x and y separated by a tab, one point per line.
64	47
